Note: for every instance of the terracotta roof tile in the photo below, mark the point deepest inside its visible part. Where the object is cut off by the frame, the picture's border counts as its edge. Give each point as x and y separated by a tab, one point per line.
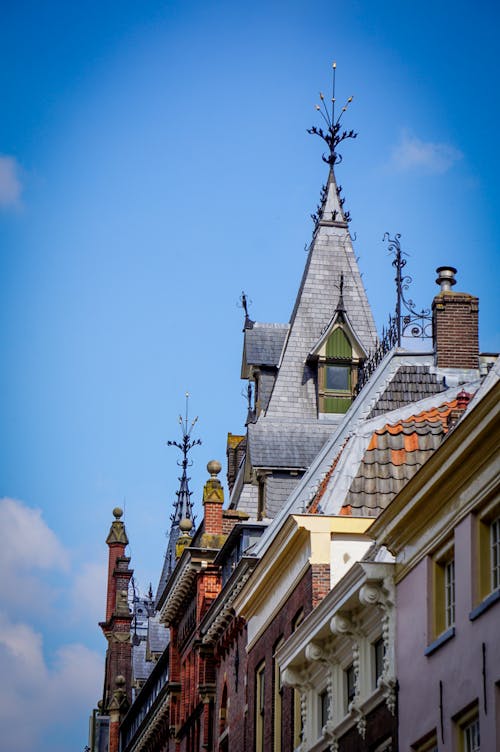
394	454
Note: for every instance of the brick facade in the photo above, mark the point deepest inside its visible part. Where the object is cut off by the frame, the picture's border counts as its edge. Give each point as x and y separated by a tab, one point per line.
231	716
312	587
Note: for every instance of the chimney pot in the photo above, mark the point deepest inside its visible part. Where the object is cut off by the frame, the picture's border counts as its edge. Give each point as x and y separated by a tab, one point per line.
446	277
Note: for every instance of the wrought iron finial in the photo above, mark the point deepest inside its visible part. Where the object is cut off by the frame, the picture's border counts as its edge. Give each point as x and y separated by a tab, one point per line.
187	443
340	287
333	135
244	303
414	323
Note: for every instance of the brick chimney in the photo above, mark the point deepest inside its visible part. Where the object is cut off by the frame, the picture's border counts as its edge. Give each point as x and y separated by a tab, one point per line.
455	325
116	628
213	499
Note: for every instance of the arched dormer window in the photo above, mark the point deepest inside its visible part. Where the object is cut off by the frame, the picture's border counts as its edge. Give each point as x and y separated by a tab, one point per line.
335	374
338	355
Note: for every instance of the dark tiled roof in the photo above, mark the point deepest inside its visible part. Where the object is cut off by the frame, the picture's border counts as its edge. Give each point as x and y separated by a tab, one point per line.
280	444
266	383
393	456
264	344
409	384
140	667
279	486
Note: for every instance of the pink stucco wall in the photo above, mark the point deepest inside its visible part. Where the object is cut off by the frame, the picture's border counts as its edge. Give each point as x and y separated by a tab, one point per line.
458	663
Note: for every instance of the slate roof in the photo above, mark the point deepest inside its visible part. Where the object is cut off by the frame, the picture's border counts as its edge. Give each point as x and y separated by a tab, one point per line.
280	444
330	255
140	667
278	489
263	344
409	384
158	635
393	456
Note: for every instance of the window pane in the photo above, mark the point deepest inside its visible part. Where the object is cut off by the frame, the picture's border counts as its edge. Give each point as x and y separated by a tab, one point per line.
337	378
379	653
449	583
324	703
350	686
471	736
495	554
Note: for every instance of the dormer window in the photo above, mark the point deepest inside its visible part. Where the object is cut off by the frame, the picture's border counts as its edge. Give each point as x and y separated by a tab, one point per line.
338	354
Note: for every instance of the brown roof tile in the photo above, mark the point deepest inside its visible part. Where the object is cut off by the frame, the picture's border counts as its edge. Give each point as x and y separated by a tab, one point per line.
393	456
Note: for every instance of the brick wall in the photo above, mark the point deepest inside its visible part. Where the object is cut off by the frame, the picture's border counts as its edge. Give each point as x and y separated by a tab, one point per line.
313	586
212	517
381	726
456	330
116	551
232	673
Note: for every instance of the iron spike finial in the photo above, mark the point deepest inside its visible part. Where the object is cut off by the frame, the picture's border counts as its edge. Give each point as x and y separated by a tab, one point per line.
332	136
244	303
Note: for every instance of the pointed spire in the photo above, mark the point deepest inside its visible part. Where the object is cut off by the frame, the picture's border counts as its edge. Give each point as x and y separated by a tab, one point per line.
183	508
331	254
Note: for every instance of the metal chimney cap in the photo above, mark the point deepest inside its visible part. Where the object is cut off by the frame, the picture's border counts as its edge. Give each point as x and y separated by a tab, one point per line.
446	277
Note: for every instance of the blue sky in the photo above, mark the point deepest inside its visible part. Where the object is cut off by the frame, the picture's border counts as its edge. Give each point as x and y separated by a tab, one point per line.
154	163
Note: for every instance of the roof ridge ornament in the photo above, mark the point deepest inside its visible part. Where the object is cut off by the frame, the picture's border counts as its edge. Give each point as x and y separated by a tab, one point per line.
183	508
244	303
340	305
414	323
184	494
333	135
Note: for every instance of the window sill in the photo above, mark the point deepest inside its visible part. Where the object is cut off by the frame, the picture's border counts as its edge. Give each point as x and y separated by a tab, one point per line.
484	605
440	641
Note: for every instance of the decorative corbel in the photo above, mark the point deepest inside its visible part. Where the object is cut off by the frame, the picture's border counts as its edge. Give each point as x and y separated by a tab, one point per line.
382	595
343	625
326	655
299	680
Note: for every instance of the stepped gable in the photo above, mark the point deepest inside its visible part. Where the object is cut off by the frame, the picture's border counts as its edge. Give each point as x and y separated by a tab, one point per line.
395	453
409	384
330	255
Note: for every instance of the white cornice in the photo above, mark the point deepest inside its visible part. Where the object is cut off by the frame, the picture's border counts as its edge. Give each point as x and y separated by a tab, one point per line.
344	594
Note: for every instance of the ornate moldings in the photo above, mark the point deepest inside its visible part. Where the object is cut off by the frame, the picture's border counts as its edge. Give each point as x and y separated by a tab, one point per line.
382	595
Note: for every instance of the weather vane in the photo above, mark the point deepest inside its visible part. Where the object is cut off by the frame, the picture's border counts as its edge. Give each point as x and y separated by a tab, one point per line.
333	136
244	303
187	444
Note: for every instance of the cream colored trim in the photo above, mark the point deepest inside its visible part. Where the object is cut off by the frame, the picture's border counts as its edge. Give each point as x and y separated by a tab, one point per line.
302	541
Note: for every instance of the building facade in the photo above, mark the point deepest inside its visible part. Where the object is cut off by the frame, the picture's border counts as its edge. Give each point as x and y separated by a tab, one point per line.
290	617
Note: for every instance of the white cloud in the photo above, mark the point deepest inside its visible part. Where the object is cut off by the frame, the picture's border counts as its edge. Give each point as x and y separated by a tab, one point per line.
47	693
10	182
26	541
88	593
426	156
28	548
38	697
